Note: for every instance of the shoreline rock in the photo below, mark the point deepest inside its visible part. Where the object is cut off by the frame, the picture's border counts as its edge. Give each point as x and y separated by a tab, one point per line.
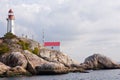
14	59
19	57
16	71
98	61
3	68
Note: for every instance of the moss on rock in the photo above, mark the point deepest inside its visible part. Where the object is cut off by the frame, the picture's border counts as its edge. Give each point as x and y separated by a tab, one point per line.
4	48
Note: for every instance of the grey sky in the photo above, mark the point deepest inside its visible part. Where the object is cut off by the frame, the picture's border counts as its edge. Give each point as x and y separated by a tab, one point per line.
84	27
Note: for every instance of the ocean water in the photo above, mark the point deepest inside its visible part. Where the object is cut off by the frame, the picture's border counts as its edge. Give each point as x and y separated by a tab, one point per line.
93	75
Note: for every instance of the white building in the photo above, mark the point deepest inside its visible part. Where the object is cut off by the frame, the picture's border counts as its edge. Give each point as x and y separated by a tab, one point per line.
10	21
52	45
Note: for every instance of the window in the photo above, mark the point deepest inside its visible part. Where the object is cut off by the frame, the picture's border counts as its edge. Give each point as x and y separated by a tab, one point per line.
52	47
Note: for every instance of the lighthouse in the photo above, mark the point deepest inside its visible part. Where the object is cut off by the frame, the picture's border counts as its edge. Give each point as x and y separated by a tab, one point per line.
10	21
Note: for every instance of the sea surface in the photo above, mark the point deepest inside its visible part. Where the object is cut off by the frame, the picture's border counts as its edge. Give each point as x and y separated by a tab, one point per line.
93	75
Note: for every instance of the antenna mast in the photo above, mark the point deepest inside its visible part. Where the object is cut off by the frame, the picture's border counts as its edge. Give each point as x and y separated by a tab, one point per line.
43	37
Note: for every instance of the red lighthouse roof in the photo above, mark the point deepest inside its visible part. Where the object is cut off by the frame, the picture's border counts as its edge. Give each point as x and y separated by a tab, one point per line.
11	15
10	11
51	43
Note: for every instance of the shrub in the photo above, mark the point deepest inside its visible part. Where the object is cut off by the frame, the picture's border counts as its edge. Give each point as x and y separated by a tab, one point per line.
9	35
36	51
25	45
4	48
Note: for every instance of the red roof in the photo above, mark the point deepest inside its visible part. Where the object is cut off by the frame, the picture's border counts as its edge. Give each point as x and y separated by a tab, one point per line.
10	11
51	43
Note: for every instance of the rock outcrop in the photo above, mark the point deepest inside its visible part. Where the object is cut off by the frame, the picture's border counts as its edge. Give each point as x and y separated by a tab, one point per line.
16	71
57	56
98	61
3	68
14	59
51	68
32	44
33	61
37	65
22	56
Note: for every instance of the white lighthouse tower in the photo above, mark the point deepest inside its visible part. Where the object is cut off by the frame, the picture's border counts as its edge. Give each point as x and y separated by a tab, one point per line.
10	21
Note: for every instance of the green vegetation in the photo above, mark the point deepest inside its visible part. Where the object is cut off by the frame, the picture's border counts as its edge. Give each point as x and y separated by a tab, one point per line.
35	51
9	35
25	45
4	48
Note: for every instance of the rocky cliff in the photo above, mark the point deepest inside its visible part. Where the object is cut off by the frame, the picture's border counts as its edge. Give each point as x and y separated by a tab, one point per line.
22	56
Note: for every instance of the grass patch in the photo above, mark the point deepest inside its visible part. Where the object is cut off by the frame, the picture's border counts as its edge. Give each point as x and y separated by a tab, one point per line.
35	51
25	45
4	48
9	35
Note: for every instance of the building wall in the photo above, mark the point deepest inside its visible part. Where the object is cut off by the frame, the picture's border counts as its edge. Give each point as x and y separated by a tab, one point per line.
10	26
53	47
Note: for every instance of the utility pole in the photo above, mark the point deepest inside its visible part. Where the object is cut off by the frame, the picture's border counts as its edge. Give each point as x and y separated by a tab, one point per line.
43	37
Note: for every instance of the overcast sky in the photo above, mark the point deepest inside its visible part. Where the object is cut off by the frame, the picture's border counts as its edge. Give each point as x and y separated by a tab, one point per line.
83	27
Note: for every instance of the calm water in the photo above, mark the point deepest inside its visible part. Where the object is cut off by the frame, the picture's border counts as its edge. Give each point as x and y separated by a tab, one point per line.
93	75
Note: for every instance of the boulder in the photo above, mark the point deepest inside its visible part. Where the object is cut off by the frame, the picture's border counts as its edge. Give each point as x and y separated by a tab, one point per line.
16	71
14	59
3	68
57	56
37	65
51	68
13	44
98	61
33	61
